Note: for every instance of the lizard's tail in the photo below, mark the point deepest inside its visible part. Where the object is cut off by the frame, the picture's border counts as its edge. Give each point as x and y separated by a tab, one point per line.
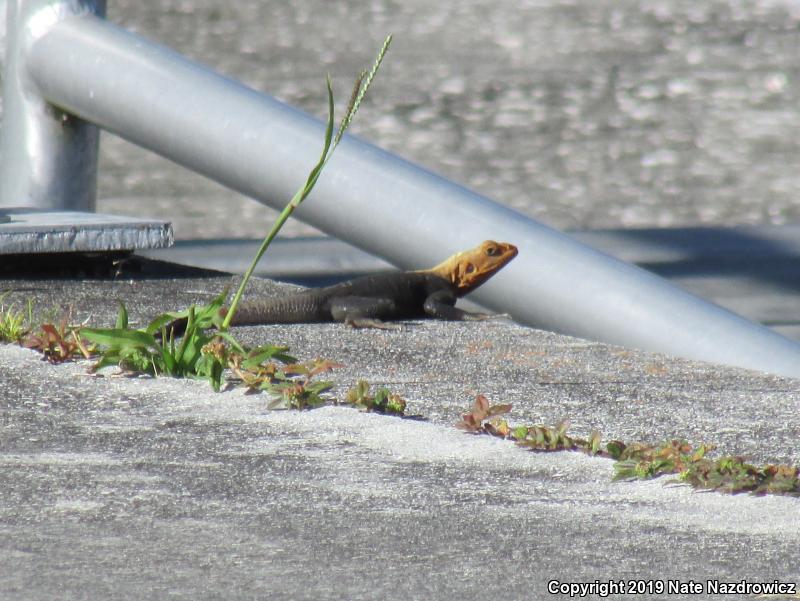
247	313
293	309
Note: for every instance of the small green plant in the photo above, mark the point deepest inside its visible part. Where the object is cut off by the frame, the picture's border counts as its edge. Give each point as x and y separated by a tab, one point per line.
57	342
291	384
295	394
482	418
643	461
542	438
199	354
206	354
14	323
638	460
733	475
383	401
692	465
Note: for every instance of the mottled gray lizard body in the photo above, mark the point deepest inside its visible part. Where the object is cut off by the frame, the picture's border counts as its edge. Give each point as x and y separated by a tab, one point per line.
372	299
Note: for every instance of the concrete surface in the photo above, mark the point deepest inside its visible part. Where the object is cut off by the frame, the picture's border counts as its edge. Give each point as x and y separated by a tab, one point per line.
602	114
133	488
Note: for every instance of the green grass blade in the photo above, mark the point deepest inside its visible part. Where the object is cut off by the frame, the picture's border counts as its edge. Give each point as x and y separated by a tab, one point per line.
363	85
232	341
313	176
159	323
299	197
169	361
120	339
329	146
188	336
266	353
122	317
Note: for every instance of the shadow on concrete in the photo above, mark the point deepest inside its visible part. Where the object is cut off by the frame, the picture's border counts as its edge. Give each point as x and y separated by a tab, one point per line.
766	254
95	266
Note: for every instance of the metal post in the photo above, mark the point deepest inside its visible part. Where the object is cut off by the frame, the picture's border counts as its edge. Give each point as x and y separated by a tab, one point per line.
389	207
48	158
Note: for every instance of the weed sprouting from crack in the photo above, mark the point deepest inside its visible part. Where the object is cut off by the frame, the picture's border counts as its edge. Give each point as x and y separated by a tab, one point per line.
639	461
14	323
383	401
204	354
58	342
291	384
482	418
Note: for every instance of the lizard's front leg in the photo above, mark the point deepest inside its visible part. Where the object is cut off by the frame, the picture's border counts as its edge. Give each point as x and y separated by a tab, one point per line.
440	305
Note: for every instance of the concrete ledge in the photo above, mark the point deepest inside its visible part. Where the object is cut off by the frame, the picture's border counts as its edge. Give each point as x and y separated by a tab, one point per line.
31	231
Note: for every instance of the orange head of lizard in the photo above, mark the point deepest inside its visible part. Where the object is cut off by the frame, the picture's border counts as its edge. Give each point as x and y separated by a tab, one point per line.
471	268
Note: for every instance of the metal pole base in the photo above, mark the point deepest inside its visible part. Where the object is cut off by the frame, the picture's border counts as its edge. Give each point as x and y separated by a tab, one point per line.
48	158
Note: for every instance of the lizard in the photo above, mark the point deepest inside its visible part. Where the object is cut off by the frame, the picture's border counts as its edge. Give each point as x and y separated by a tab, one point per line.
369	300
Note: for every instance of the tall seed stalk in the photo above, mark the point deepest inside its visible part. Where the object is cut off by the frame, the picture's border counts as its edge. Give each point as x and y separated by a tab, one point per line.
362	84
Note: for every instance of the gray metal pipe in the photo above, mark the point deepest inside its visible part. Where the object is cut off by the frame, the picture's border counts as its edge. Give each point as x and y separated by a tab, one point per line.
252	143
48	159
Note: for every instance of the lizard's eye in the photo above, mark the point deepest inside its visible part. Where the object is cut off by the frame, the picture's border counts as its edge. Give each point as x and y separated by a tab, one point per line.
491	251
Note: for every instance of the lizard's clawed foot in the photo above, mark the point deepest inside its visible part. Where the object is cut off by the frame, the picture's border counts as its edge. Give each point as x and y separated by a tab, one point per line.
365	322
486	316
